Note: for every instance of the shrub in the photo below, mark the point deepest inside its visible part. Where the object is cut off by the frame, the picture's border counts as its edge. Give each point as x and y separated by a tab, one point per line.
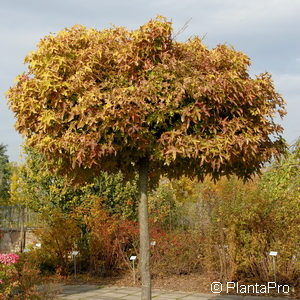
104	241
111	240
58	240
19	278
177	253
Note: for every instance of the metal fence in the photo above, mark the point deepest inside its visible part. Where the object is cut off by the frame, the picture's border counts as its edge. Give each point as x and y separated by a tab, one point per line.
18	217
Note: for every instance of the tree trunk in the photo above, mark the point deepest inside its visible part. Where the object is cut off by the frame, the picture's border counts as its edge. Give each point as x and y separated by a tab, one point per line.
144	229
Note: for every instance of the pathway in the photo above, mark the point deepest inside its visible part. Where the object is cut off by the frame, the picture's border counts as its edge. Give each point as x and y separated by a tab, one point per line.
94	292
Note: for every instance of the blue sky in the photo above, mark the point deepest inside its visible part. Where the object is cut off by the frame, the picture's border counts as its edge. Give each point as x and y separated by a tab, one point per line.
267	31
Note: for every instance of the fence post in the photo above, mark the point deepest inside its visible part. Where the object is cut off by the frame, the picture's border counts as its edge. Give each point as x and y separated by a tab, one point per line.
22	229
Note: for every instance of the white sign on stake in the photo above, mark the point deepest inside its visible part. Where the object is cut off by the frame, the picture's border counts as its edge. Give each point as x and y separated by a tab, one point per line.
133	257
273	253
75	253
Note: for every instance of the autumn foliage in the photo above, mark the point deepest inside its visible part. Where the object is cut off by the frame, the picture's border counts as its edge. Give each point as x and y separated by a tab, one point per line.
223	231
103	99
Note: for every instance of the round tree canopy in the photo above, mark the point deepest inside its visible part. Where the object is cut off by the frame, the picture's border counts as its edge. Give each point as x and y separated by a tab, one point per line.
105	99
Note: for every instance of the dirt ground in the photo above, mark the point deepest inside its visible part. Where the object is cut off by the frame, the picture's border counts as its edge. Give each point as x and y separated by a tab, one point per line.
188	283
185	283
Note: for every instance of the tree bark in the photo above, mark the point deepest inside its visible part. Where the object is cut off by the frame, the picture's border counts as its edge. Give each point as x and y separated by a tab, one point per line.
144	229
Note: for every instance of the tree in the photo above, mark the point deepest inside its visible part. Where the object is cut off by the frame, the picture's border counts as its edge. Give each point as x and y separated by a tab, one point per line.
5	174
139	101
34	185
282	179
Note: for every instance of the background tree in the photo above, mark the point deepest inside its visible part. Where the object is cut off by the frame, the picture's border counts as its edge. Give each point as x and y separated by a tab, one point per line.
283	177
34	185
5	174
172	202
139	101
